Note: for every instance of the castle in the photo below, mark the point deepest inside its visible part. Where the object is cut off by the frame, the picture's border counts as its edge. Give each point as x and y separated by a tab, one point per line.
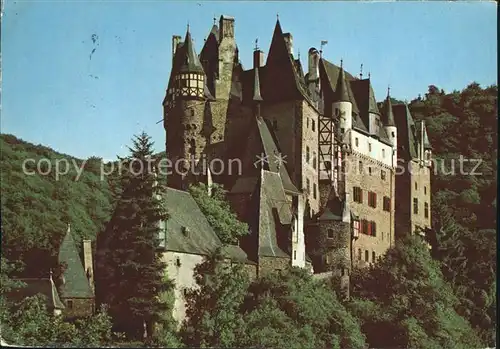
338	179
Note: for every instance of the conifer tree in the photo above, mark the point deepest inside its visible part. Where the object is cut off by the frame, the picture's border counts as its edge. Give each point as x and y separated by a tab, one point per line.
133	269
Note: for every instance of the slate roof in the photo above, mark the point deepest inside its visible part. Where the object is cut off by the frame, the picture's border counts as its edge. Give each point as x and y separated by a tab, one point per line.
406	126
33	287
272	203
271	151
76	284
200	238
188	59
387	113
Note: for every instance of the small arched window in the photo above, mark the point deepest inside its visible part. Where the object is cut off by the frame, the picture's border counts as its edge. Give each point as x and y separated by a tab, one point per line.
307	154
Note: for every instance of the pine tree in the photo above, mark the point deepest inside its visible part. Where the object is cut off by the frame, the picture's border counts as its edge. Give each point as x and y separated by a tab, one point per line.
132	278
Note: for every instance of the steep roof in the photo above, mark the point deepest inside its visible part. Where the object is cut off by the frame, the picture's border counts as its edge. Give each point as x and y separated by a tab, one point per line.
33	287
387	113
272	153
332	73
199	238
341	94
189	61
406	127
76	284
274	211
256	86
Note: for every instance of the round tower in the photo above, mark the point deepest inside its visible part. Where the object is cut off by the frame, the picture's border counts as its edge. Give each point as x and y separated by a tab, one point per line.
389	124
342	103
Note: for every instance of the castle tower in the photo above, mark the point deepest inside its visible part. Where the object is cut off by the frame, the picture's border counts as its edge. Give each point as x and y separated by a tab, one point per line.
390	125
342	109
373	112
185	112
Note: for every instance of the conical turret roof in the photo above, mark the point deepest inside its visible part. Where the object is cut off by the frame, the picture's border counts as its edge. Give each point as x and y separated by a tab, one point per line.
256	86
190	61
341	93
388	115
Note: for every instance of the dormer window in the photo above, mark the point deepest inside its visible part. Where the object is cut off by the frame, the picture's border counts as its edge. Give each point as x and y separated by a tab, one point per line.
185	231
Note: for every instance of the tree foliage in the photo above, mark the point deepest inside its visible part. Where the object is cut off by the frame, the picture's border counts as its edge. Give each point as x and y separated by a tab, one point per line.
404	301
218	212
130	267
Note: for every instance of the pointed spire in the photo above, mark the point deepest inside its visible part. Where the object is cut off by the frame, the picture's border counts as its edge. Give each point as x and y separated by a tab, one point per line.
427	144
190	62
341	93
256	86
388	116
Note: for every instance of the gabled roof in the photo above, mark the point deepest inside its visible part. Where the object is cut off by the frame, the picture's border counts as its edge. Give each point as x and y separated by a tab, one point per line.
76	284
281	66
272	154
332	73
406	126
274	211
199	238
33	287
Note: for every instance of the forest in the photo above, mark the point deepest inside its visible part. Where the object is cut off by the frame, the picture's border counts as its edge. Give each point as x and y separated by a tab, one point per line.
414	297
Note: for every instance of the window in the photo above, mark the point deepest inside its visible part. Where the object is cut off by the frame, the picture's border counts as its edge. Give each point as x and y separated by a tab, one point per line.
69	303
373	257
382	174
366	255
364	226
307	154
425	190
356	142
416	186
373	228
359	254
369	147
342	130
387	203
308	184
314	160
383	153
314	190
360	167
382	236
307	123
393	134
426	210
415	206
358	194
295	254
372	199
177	262
355	228
330	233
313	125
370	170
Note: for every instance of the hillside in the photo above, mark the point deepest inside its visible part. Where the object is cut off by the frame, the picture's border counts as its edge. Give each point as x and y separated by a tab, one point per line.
37	208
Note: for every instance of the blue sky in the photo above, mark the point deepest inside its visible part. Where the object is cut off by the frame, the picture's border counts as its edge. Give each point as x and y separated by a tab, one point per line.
58	93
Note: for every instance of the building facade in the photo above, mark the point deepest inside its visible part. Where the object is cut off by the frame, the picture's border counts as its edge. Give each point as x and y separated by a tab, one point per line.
329	194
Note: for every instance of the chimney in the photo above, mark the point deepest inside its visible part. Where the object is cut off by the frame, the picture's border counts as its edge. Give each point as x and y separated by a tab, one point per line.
226	27
87	262
313	64
258	58
289	42
176	39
